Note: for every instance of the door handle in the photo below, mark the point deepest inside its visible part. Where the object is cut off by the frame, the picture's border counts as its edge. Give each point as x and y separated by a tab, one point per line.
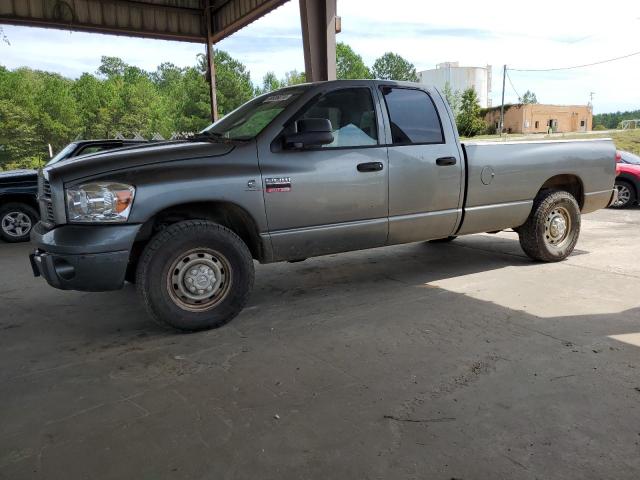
370	167
444	161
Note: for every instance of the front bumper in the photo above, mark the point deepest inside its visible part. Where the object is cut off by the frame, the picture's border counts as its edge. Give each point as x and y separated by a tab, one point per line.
97	272
90	258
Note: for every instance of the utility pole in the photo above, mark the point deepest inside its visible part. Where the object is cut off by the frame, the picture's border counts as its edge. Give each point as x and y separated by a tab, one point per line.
591	94
504	78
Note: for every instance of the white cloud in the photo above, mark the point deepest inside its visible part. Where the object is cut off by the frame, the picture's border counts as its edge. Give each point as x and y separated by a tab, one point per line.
519	34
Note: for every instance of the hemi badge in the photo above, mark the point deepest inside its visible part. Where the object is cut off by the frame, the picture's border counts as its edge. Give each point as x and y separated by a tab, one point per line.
278	184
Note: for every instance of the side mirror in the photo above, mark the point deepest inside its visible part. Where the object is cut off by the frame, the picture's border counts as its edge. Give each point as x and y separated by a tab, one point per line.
310	132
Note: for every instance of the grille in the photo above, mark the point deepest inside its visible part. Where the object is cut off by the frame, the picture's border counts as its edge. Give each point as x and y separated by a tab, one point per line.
46	189
49	216
46	204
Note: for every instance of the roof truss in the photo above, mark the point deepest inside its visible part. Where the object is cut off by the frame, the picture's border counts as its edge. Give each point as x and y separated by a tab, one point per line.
182	20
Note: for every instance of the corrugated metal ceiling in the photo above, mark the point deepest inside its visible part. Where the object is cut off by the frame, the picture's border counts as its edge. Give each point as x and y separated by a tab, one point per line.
182	20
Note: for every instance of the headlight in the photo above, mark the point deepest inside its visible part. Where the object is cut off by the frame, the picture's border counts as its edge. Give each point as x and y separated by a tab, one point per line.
99	202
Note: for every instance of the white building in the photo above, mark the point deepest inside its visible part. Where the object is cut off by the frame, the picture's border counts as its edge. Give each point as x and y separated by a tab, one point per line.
460	78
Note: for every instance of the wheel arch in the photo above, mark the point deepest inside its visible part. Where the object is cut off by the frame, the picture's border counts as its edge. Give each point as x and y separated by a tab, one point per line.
569	183
228	214
20	198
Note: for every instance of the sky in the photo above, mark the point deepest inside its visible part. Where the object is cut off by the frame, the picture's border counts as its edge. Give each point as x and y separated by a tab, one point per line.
522	35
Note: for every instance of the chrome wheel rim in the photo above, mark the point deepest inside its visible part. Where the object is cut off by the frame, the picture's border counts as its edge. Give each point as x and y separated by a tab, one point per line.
624	195
557	227
199	279
16	224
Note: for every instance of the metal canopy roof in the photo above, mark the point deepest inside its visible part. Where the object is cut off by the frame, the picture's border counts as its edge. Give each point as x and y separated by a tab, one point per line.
183	20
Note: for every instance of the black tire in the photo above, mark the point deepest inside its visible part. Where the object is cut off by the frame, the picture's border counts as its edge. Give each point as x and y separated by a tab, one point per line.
443	240
541	236
630	194
168	262
10	214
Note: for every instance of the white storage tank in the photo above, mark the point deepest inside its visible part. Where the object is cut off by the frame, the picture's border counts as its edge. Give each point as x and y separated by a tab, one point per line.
460	78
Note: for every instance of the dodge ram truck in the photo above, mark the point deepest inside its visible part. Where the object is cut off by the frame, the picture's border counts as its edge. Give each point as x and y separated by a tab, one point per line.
308	170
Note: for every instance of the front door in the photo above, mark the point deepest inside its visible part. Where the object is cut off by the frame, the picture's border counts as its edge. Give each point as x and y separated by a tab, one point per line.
332	198
425	166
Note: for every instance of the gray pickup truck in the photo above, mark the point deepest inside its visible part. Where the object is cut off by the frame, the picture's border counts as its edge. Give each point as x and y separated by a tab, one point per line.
304	171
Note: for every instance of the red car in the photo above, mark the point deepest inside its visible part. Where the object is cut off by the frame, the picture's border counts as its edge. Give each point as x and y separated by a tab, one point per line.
627	179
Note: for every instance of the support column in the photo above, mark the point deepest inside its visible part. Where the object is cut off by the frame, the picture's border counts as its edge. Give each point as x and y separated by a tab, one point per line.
318	20
211	67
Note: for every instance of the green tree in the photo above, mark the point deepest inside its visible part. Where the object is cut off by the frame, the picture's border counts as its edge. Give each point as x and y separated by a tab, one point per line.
39	108
613	119
91	101
453	98
167	76
294	77
392	66
233	81
57	116
111	67
468	120
133	103
349	65
528	97
270	83
193	110
185	95
21	144
36	108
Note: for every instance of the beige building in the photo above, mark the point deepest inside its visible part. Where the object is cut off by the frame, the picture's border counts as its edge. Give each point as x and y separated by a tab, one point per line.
537	118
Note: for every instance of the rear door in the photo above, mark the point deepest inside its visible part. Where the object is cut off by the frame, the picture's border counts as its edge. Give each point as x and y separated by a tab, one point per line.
332	198
425	166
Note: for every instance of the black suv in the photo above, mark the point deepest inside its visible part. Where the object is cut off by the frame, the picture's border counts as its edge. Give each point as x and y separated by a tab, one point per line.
19	189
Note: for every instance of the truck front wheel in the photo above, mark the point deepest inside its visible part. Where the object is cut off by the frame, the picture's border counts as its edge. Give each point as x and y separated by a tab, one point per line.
552	229
195	275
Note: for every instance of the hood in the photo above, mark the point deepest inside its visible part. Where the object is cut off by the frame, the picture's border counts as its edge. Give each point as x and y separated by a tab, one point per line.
18	176
135	156
628	168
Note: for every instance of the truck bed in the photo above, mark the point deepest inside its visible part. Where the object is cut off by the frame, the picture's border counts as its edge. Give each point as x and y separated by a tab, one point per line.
503	178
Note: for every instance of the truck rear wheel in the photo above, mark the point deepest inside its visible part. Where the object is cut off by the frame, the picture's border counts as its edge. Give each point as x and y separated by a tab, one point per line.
553	227
195	275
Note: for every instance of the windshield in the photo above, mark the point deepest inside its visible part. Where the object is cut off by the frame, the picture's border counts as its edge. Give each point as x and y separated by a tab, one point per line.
630	158
62	154
251	118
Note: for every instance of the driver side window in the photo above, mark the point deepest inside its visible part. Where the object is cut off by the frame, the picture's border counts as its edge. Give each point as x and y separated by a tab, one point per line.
352	115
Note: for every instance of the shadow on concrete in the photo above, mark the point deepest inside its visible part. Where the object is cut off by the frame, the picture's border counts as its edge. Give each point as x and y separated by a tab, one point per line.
120	314
348	366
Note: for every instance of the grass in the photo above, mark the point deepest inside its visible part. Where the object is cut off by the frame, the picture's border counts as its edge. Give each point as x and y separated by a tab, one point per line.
628	140
624	139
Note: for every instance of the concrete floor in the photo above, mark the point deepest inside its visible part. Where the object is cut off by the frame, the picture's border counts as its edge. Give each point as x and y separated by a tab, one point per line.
462	361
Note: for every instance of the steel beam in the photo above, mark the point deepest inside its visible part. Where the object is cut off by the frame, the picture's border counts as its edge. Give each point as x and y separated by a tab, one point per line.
211	66
318	20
